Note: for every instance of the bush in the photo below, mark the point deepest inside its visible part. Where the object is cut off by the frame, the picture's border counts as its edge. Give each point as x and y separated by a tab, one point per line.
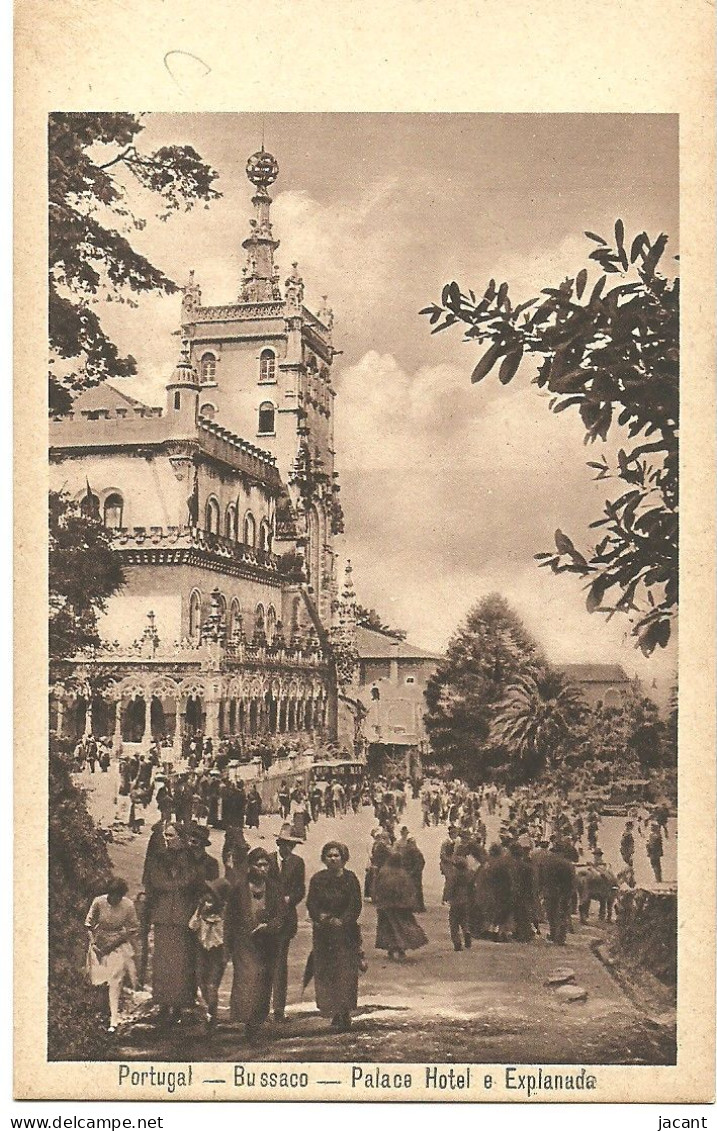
79	869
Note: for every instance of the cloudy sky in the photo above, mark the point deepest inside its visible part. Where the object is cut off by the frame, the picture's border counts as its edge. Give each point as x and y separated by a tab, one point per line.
448	488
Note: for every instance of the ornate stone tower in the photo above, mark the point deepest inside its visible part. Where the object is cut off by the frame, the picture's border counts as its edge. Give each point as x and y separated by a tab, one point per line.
264	366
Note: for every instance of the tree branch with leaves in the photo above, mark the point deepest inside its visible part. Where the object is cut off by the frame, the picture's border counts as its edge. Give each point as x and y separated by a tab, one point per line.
613	354
94	161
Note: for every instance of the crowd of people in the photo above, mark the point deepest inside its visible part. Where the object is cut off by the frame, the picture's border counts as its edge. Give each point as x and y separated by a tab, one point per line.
201	921
542	865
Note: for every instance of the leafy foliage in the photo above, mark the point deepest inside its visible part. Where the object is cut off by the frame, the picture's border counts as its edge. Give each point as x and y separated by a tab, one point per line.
93	158
537	718
84	570
292	565
369	618
614	356
630	737
487	654
79	870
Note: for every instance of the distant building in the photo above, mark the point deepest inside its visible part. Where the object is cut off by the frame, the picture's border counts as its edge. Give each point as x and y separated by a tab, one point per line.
607	684
392	678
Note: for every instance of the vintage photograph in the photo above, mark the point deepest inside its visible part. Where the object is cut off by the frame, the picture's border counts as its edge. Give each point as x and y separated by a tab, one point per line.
363	461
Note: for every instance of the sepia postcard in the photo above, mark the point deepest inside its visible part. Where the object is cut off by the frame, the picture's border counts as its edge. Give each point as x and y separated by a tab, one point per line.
358	755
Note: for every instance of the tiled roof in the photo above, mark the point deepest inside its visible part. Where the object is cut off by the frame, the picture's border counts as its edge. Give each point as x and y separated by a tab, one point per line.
594	673
374	645
104	395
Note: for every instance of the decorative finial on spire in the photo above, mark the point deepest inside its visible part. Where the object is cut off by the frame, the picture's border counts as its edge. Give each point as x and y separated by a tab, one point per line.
257	286
262	169
325	314
191	298
294	288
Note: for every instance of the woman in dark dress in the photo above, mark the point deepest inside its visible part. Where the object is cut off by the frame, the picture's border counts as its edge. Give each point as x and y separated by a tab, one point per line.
414	862
334	904
170	881
254	917
395	899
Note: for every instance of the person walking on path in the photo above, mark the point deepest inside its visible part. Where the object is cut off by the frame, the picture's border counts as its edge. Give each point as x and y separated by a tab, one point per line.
206	867
317	803
446	858
334	905
497	892
627	844
207	926
300	816
524	894
170	882
253	808
113	934
395	900
414	862
655	850
290	874
284	799
459	896
253	919
558	880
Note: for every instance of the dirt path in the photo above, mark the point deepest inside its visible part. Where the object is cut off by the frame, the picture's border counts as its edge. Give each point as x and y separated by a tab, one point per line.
486	1005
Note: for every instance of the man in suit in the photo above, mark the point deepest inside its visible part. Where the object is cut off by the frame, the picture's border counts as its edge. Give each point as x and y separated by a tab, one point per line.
290	873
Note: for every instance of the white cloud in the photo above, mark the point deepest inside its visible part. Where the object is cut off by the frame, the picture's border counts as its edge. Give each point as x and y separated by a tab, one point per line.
451	489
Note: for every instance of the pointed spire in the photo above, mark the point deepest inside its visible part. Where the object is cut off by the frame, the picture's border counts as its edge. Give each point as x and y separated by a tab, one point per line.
259	282
347	603
191	299
325	314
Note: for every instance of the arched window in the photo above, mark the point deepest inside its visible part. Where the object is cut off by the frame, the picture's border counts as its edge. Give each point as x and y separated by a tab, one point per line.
264	537
208	367
270	623
266	418
195	614
267	365
231	523
212	517
113	512
249	530
208	410
234	618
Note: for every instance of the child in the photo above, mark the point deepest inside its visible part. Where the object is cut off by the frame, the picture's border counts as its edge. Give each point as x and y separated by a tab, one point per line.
207	922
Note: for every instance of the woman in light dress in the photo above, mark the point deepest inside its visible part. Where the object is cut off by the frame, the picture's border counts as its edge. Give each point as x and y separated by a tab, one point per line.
114	931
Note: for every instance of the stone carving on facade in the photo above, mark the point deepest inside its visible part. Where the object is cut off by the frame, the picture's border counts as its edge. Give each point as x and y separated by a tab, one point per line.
191	299
214	629
181	466
294	291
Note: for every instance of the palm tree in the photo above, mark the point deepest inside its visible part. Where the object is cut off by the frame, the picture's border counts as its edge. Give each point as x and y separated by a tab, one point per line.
537	715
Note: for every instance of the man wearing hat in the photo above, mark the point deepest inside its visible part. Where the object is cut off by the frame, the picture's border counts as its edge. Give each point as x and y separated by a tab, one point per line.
290	873
206	867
